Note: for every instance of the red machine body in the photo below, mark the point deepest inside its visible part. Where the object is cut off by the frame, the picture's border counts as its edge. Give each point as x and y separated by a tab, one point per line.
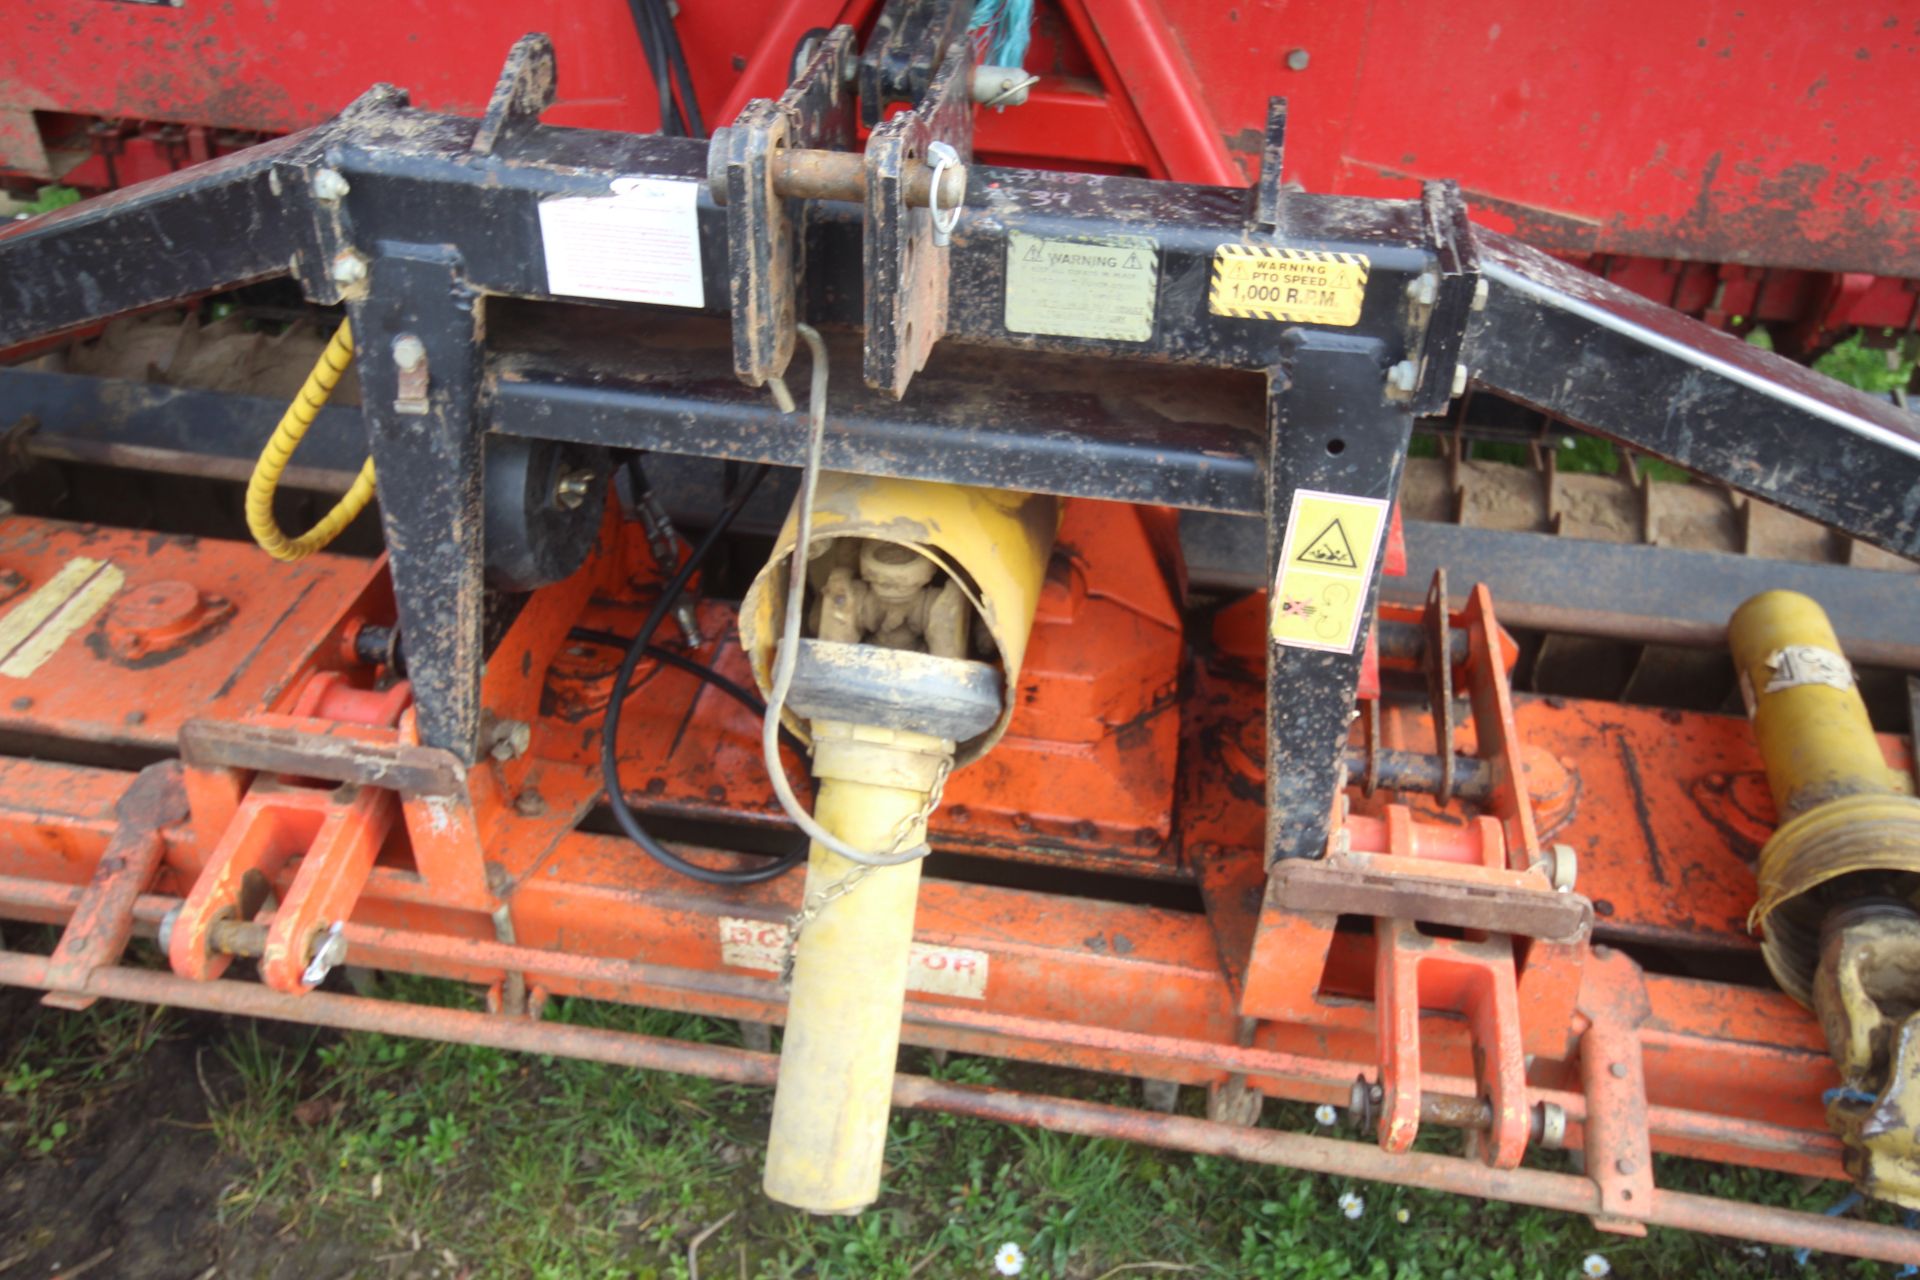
1744	164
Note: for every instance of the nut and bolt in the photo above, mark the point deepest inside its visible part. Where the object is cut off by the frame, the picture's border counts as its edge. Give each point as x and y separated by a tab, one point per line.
529	804
511	738
572	488
1480	294
1563	867
1403	377
1550	1125
349	268
997	87
329	185
1298	60
1424	289
1625	1165
1459	380
409	353
1618	1071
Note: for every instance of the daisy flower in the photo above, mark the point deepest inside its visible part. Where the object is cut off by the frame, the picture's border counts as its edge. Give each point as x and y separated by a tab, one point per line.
1596	1266
1325	1116
1351	1204
1009	1259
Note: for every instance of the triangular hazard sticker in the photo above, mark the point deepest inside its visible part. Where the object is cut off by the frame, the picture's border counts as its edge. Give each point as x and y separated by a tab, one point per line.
1329	548
1132	263
1033	254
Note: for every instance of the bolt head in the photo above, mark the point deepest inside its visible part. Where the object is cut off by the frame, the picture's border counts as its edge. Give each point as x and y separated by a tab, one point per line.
1298	60
1424	289
511	739
572	489
409	353
1403	376
329	185
349	268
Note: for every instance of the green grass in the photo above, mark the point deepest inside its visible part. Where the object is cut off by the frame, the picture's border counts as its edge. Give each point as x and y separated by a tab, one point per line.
49	199
1875	369
505	1165
66	1067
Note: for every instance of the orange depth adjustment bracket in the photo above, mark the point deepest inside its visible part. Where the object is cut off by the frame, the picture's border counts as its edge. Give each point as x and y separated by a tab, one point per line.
336	834
1415	973
255	787
1522	943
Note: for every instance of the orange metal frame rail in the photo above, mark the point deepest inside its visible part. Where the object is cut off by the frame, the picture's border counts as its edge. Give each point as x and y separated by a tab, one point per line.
299	783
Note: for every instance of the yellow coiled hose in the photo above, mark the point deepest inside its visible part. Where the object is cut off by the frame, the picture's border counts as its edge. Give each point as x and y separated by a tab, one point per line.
265	481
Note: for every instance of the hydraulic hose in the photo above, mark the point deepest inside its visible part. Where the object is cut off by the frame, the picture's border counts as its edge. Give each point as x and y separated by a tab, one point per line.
623	813
265	481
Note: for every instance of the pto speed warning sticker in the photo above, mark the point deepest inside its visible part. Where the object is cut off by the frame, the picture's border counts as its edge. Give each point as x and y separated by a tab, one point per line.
1303	286
1320	594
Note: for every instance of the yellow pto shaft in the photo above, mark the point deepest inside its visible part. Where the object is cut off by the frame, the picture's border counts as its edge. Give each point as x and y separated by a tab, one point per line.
1846	819
829	1133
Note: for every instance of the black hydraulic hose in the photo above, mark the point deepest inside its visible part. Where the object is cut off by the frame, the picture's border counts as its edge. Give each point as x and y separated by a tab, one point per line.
700	670
657	62
676	54
622	686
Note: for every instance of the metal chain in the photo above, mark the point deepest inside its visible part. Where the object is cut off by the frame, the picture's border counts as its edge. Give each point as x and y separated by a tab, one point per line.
810	910
815	903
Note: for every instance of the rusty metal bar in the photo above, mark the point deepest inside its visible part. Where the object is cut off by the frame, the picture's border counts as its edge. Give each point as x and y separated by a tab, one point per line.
803	173
102	920
1311	1079
1420	771
740	1066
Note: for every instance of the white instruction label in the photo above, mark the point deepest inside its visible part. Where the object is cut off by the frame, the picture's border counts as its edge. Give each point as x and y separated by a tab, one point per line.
1102	288
934	971
640	244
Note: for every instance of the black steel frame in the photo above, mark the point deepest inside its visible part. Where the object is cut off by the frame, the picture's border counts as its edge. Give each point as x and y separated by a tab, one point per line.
426	226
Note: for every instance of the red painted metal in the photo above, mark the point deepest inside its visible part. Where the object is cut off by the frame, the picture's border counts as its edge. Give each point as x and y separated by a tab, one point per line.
1629	137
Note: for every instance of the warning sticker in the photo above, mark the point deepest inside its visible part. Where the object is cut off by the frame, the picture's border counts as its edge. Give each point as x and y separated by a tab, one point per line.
34	629
640	244
934	971
1320	594
1102	288
1304	286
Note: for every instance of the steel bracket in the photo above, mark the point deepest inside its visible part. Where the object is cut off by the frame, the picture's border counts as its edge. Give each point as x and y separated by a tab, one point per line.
1416	973
103	921
814	112
525	89
906	273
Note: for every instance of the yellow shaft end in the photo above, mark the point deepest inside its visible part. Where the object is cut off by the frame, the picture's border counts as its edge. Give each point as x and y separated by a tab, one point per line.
835	1091
1811	724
